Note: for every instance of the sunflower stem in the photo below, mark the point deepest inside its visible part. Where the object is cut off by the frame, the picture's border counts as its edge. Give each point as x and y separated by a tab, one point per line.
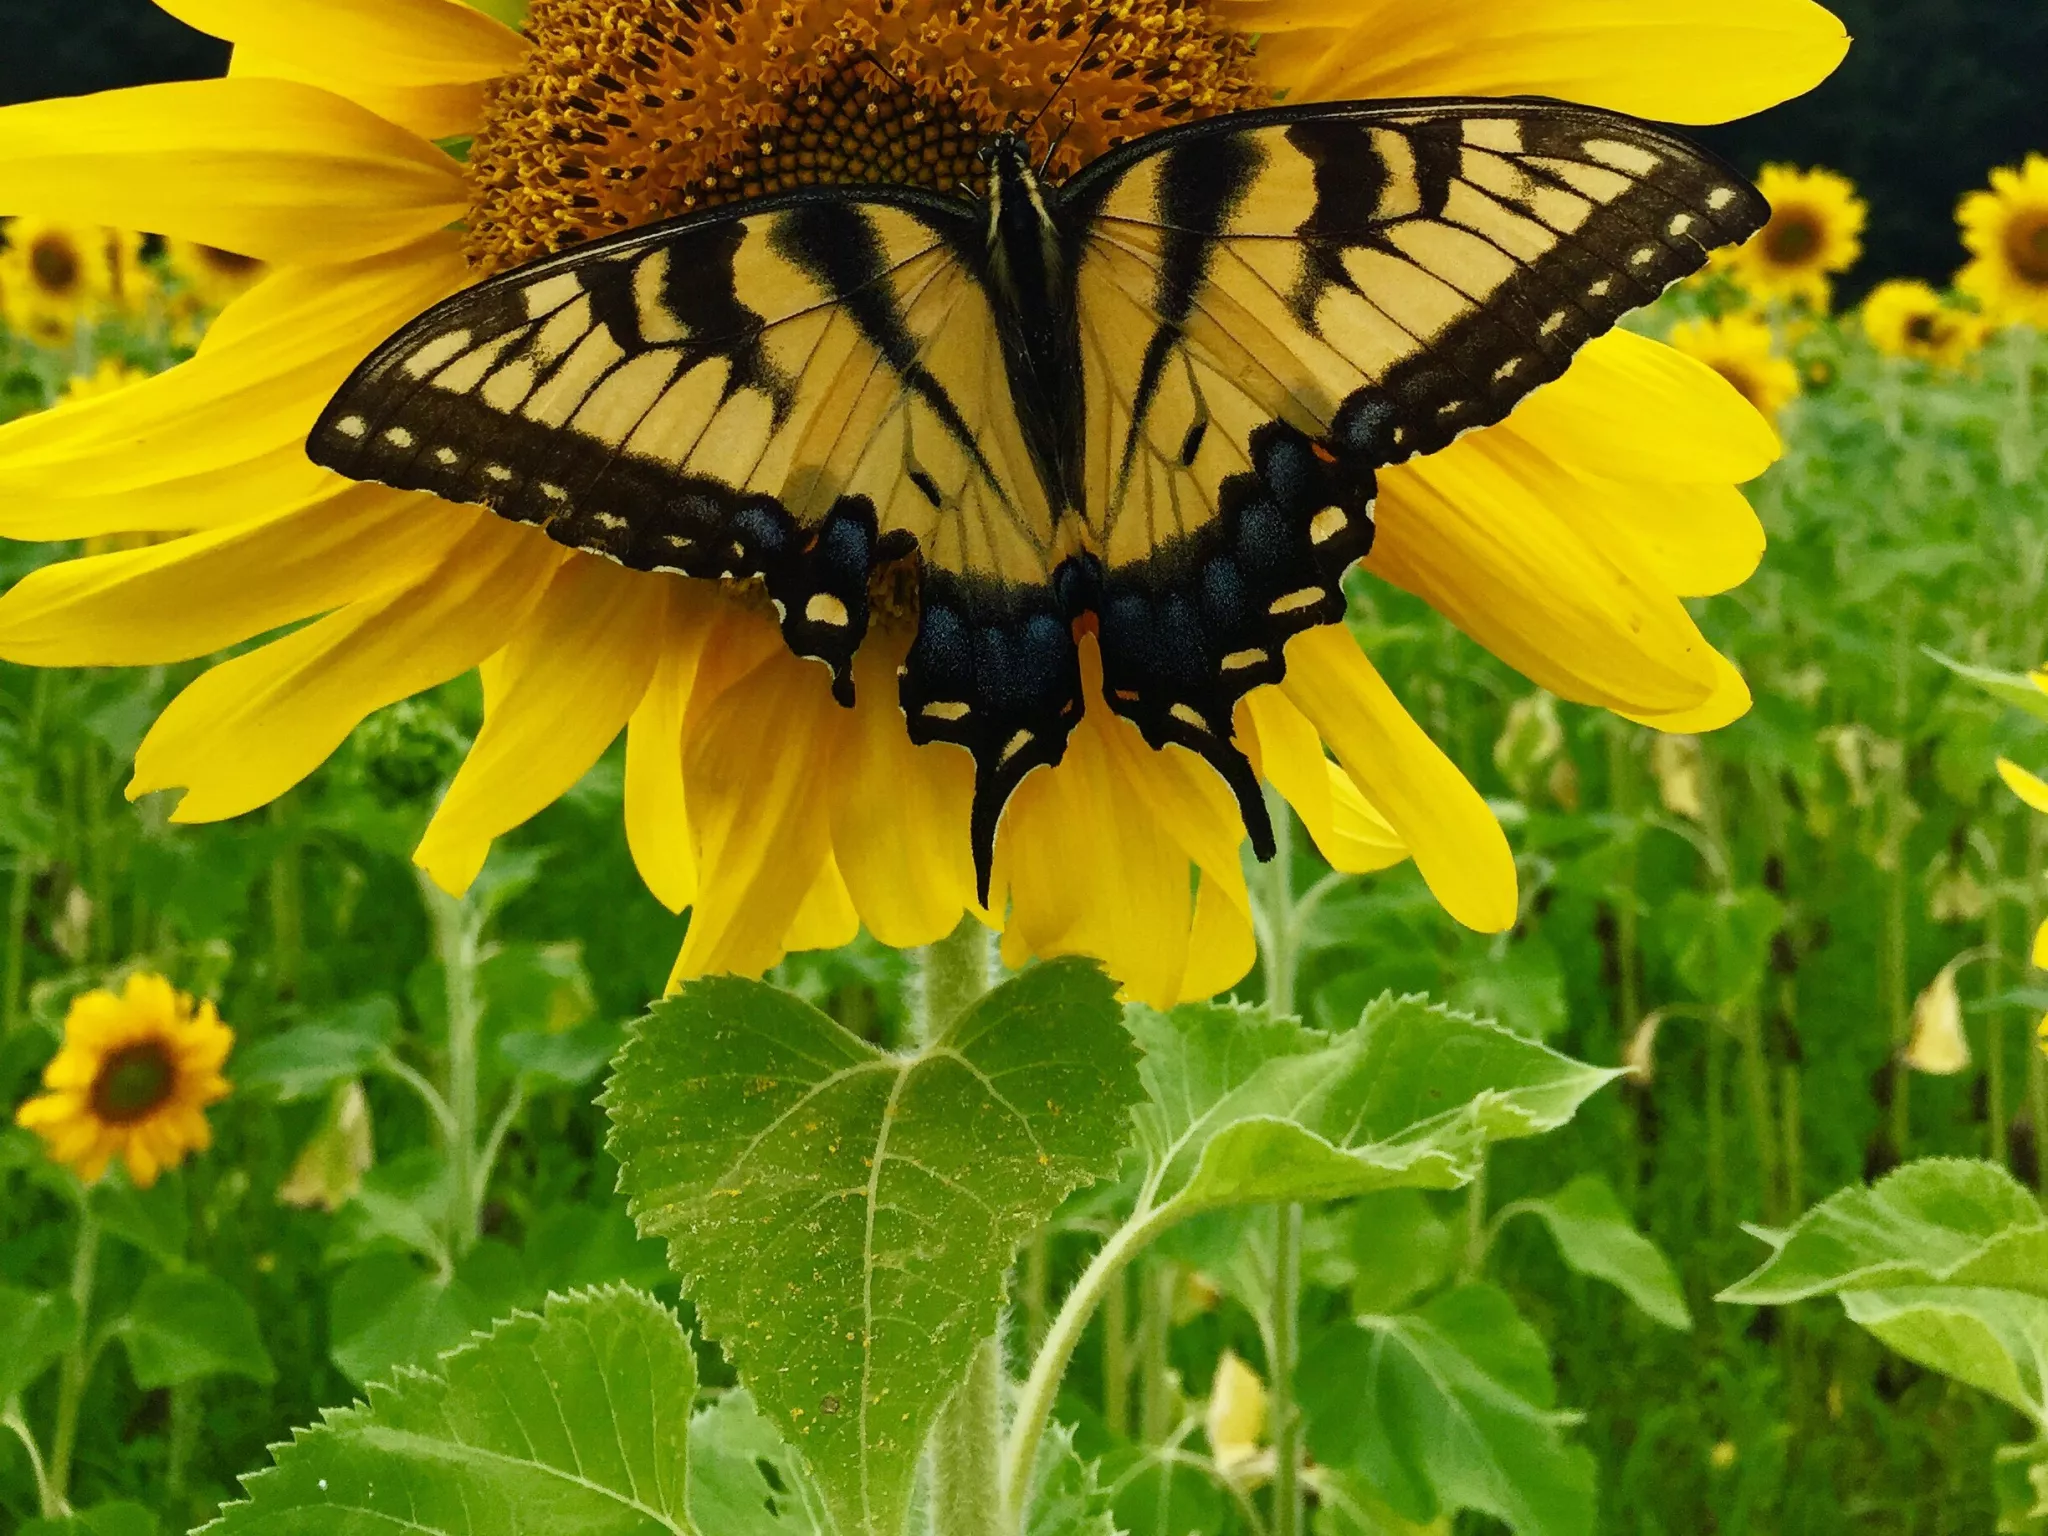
76	1365
1283	951
47	1503
22	885
954	973
458	942
967	1441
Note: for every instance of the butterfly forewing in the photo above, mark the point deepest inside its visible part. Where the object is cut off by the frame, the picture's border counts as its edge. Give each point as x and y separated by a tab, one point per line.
1274	305
772	395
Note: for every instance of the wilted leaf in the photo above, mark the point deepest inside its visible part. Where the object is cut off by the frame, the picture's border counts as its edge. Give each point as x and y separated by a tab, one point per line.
330	1166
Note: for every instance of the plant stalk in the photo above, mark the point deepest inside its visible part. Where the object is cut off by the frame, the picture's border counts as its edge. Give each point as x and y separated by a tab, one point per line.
22	882
1283	1412
77	1362
969	1495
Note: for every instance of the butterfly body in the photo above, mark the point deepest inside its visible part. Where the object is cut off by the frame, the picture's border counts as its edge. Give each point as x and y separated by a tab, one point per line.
1151	402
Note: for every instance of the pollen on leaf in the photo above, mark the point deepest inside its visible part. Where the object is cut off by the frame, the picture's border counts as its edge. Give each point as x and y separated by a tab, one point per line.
627	113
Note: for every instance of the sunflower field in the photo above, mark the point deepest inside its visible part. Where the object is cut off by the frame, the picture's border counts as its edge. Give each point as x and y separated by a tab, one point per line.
498	1040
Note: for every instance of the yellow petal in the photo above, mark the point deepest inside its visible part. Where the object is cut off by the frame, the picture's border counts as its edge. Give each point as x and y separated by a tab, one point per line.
252	727
1681	61
1479	533
1695	540
1636	409
281	477
1728	703
269	168
197	595
899	815
657	817
1223	946
757	766
393	42
2024	784
294	338
1346	829
2041	946
826	919
1455	841
573	675
431	111
1094	856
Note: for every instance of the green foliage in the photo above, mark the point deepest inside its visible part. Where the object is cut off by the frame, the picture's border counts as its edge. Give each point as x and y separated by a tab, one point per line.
574	1420
1596	1238
35	1328
1449	1407
186	1324
842	1216
1248	1109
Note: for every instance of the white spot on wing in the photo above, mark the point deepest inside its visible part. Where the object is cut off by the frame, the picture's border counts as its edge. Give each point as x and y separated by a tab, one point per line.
398	437
351	426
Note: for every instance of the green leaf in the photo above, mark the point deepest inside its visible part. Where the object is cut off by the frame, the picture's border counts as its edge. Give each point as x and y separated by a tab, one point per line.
119	1518
1448	1408
1994	1340
537	988
1347	1506
1596	1238
573	1056
186	1324
744	1478
1721	945
2015	688
842	1217
2020	1475
1249	1110
154	1219
1524	988
576	1420
1066	1498
1940	1221
313	1057
35	1328
384	1311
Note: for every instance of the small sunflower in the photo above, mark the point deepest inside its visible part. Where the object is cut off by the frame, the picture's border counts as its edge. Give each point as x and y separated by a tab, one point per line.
1816	230
1562	539
2006	231
132	1080
110	374
54	273
1907	318
1742	350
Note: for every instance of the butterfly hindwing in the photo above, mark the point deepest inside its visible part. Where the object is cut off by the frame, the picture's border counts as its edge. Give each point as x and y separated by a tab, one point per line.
1274	305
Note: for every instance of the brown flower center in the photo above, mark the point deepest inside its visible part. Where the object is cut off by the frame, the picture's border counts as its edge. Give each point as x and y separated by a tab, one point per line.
2026	246
1792	237
630	111
134	1082
1922	328
54	262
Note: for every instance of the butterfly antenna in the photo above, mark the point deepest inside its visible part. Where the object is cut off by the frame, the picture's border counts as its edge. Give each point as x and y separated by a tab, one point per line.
1102	21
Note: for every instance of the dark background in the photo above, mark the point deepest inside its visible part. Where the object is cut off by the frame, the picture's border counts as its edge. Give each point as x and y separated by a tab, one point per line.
1934	93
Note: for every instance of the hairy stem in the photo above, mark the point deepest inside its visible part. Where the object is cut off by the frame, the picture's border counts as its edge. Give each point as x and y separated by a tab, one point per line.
76	1365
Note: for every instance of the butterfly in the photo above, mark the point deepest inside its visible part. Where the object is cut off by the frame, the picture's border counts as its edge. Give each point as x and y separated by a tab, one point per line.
1151	399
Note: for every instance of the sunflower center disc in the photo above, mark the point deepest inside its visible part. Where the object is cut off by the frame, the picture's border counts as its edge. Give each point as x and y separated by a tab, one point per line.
628	113
1792	239
133	1081
2027	246
55	265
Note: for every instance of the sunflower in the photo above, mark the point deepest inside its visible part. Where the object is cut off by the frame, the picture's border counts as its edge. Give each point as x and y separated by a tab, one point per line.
1816	230
1906	318
53	273
1742	350
132	1080
1562	539
2006	231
